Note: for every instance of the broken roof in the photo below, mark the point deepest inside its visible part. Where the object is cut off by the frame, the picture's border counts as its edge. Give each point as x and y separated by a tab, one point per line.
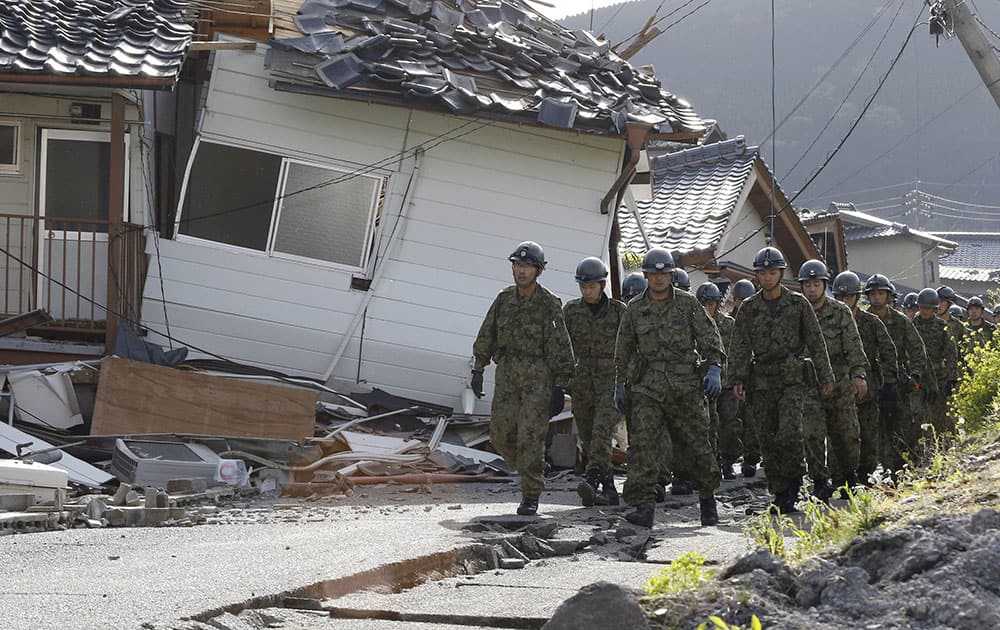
860	226
694	193
498	58
107	39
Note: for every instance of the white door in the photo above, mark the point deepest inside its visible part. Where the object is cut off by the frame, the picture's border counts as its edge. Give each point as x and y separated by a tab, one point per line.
73	194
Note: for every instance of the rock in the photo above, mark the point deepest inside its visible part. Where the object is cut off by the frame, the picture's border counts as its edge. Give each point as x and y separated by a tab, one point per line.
847	585
780	575
154	517
121	493
624	531
599	538
564	547
543	530
162	499
229	621
984	520
599	606
179	486
132	499
513	563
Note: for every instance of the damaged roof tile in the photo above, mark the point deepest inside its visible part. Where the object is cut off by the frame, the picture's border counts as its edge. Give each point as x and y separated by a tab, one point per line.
133	38
524	66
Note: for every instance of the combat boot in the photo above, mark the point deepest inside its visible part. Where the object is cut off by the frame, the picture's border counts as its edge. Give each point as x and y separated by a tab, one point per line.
528	507
728	473
681	486
587	489
822	489
641	516
610	492
784	501
661	493
749	470
709	511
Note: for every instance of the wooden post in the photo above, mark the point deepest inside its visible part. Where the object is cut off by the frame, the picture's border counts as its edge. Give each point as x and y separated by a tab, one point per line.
116	217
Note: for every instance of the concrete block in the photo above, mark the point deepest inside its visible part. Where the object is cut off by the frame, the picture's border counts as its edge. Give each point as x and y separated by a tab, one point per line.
115	517
121	493
96	509
162	499
512	563
150	498
177	486
132	499
154	517
16	502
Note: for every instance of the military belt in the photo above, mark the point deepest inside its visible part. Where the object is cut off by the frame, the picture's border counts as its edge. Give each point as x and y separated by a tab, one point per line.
594	361
673	367
508	355
767	368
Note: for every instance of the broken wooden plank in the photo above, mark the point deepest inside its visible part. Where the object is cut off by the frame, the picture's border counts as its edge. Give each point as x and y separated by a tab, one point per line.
135	397
23	321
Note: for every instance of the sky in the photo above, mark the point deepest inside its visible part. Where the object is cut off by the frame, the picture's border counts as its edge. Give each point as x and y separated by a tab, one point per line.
562	8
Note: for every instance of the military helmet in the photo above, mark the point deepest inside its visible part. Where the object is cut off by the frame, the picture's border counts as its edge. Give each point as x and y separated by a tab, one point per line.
591	269
529	251
956	311
681	279
975	300
633	284
910	300
743	289
878	282
813	270
769	258
708	292
996	310
928	297
946	293
846	283
658	260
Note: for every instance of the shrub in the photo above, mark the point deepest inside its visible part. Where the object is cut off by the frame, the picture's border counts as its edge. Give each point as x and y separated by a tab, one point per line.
683	574
979	388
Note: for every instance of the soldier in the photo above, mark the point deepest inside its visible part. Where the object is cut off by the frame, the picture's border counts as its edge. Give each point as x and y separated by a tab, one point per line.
910	305
833	418
525	333
775	329
664	337
996	314
726	427
979	331
751	449
682	280
946	302
900	416
633	284
592	322
881	353
942	356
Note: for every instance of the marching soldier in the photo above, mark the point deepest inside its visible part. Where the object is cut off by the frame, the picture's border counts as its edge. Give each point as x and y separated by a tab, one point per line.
979	331
664	337
946	303
726	427
942	355
751	449
881	353
682	280
525	333
910	305
592	322
834	418
775	331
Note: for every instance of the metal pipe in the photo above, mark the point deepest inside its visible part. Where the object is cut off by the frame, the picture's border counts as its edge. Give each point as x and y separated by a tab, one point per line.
635	136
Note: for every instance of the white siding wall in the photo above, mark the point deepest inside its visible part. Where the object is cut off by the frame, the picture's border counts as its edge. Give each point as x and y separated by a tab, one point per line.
474	199
901	259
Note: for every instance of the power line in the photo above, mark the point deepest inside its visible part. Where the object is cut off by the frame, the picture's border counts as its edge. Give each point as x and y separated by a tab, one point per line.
965	203
829	70
657	21
972	172
847	96
994	219
612	18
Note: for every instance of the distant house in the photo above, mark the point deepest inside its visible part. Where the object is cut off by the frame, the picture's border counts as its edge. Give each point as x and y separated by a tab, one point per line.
75	82
974	267
356	185
908	257
712	204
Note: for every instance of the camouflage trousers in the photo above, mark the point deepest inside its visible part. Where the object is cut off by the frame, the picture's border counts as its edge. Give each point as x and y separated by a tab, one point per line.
595	414
777	420
833	421
519	419
730	427
680	420
899	425
871	446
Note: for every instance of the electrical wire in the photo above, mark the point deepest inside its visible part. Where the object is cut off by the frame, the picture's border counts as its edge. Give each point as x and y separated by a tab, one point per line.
850	91
829	70
994	219
774	130
965	203
972	172
655	22
612	18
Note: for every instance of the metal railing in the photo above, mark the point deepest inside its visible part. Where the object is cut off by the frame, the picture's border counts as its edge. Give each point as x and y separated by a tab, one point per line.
62	265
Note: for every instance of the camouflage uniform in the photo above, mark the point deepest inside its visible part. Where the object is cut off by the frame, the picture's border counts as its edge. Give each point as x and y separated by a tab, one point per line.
957	331
835	417
593	334
727	428
528	340
770	339
942	356
881	354
900	417
660	346
976	336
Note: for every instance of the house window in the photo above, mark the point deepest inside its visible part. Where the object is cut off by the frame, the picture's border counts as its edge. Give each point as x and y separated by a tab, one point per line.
284	207
10	135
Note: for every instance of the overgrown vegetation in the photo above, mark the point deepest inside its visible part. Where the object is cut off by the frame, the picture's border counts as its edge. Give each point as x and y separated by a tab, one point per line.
683	574
722	625
977	401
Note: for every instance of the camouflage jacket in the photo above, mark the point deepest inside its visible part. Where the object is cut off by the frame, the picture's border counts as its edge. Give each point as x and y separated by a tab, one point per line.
664	341
958	331
777	334
531	328
725	325
911	357
879	348
843	343
942	354
976	336
594	334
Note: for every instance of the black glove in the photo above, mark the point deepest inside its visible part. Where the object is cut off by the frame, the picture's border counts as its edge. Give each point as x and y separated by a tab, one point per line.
886	392
477	383
557	402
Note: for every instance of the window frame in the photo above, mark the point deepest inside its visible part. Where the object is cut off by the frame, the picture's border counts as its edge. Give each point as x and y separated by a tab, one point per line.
371	232
13	168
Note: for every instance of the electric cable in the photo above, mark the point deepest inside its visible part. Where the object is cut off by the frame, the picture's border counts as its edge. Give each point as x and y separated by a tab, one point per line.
965	203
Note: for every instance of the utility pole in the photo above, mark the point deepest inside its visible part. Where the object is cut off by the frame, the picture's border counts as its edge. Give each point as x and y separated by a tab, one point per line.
962	21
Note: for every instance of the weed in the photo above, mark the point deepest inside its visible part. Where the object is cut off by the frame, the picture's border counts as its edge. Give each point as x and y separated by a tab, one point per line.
722	625
683	574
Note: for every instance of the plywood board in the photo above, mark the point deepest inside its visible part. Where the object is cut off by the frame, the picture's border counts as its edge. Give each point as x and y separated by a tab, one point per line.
135	397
